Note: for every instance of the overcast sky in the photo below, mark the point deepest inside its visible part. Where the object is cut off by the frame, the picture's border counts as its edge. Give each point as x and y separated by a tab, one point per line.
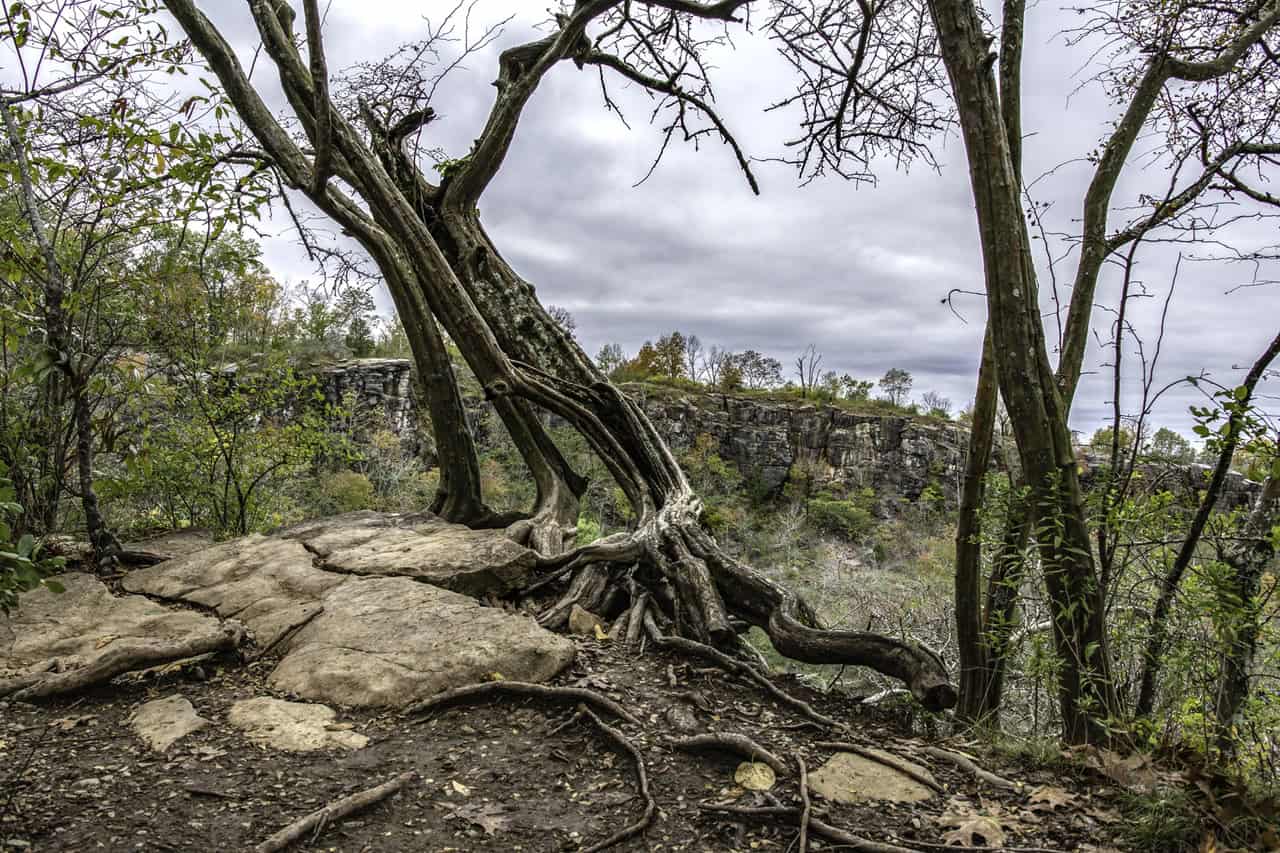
858	271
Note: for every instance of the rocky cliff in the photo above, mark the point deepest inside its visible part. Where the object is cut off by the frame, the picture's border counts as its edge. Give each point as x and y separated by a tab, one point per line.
769	441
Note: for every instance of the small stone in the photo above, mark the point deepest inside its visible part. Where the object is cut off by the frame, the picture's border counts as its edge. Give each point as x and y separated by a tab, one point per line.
681	718
291	726
849	778
164	722
583	622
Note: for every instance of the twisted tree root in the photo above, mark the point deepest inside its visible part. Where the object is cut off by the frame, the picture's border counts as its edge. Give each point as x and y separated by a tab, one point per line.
840	836
520	688
737	744
127	656
740	668
969	766
315	822
642	781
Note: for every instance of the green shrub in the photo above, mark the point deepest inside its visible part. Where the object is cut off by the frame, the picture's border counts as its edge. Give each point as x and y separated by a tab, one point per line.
851	519
21	567
344	491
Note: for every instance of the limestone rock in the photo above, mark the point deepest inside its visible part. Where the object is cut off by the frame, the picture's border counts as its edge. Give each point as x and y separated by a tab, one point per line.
73	628
268	583
369	641
850	778
583	622
163	722
475	562
292	726
388	642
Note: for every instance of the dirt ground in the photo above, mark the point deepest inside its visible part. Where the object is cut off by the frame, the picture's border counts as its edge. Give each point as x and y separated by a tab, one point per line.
493	775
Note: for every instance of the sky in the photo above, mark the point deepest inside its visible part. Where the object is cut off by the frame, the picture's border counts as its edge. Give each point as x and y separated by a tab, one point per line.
858	271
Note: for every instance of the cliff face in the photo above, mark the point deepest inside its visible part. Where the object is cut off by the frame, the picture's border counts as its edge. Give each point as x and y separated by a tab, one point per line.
899	457
768	441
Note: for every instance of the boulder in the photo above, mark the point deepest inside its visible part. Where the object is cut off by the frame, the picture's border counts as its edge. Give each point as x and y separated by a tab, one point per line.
850	778
292	726
389	642
583	622
163	722
60	631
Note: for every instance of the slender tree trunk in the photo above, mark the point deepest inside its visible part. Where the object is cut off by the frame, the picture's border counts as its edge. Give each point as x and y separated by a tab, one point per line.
58	339
968	584
1027	383
1248	562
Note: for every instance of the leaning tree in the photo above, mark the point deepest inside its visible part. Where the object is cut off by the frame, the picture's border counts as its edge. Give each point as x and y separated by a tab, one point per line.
357	160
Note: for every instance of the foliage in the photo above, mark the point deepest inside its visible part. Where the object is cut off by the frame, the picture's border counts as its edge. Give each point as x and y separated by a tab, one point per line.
850	517
896	384
21	565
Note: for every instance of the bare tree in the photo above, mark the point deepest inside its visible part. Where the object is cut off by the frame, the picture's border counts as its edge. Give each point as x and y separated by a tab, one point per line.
807	365
438	261
693	357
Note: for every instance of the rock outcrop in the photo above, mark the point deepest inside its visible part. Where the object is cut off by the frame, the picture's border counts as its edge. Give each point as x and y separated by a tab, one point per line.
292	726
71	629
344	602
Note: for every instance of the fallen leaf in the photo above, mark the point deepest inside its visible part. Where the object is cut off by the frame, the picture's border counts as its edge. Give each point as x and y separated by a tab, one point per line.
600	633
1048	798
975	831
105	641
460	788
755	776
490	817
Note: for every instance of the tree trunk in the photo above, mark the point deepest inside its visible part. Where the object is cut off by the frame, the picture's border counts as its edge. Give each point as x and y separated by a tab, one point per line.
1027	383
1248	562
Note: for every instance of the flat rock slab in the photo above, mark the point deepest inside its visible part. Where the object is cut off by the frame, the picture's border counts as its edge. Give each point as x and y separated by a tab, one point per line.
850	778
390	642
419	546
60	631
292	726
369	641
270	584
163	722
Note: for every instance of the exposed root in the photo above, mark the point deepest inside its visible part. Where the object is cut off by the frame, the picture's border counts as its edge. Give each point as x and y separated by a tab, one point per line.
740	668
806	806
125	657
887	760
642	781
711	597
573	695
737	744
826	830
314	823
968	765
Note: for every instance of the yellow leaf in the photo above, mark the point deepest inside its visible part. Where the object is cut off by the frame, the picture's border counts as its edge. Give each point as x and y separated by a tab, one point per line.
497	676
600	632
755	776
460	788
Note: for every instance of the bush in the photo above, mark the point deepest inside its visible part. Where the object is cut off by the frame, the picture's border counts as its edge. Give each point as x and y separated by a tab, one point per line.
851	518
21	567
344	491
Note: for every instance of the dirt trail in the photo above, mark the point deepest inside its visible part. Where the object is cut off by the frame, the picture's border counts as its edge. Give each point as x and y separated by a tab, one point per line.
503	773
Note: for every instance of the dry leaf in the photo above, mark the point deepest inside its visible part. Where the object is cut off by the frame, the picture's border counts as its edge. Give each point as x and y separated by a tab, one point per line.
489	817
1047	798
600	633
105	641
975	831
755	776
460	788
